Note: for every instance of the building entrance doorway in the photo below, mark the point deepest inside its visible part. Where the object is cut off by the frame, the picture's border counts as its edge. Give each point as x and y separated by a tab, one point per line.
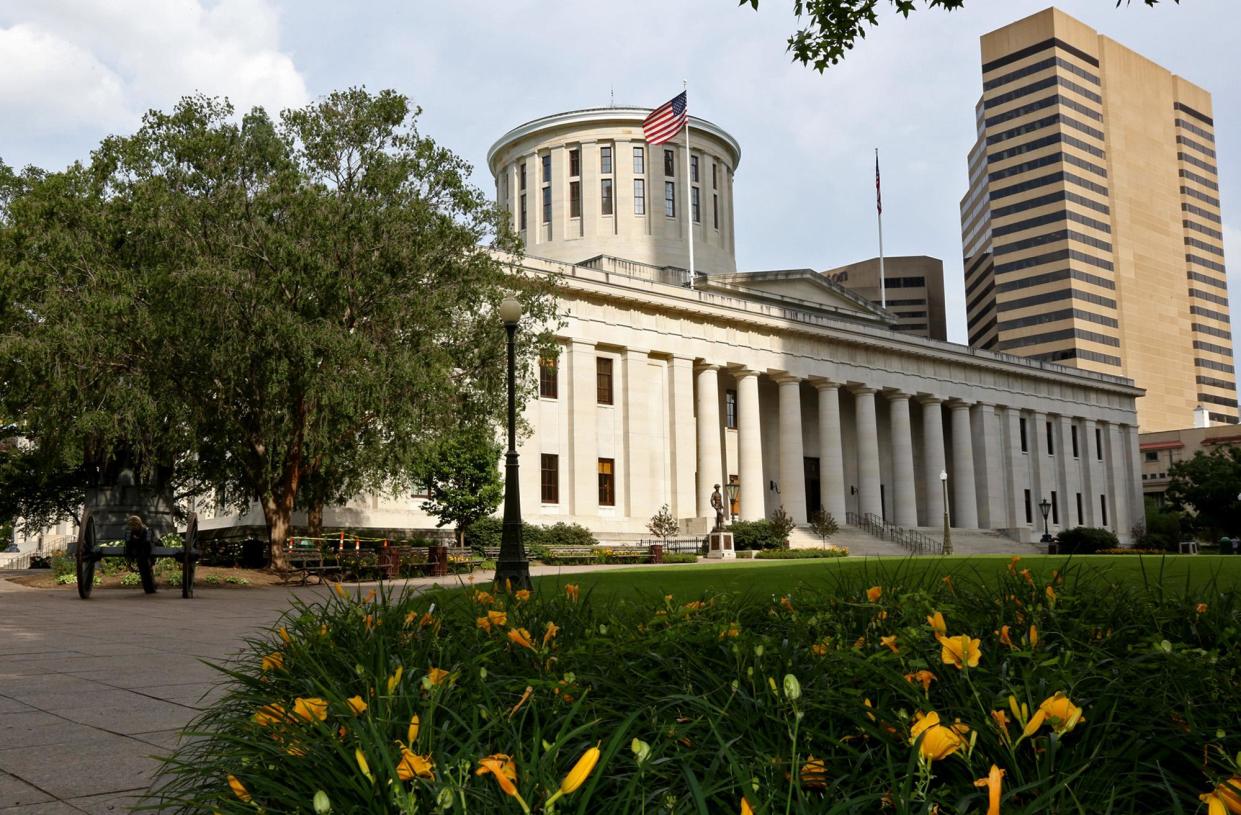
814	502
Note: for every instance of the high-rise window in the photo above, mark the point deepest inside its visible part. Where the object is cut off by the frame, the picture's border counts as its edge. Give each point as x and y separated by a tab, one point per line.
1029	510
522	185
1021	426
670	199
730	409
605	196
547	204
547	168
693	169
1051	441
639	161
715	176
575	199
715	211
550	478
603	380
1055	508
639	196
605	160
549	386
607	482
1073	438
694	201
575	162
670	164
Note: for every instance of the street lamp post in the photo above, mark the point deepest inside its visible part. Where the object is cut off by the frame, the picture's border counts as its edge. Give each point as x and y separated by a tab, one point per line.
732	488
1044	507
943	480
512	568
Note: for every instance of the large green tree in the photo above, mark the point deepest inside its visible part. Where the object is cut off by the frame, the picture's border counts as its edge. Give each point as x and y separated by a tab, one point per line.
462	475
293	310
830	28
1209	487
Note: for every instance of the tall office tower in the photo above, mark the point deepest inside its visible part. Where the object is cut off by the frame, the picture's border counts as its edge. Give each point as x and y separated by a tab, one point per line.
914	286
1091	231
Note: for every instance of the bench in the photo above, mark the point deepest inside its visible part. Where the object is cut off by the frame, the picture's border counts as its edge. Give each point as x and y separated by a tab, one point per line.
306	560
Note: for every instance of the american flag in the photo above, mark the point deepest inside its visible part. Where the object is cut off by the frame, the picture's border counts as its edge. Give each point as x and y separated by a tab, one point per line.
878	195
666	120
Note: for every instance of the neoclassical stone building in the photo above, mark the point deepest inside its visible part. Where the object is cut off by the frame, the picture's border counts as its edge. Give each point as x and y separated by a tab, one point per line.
782	381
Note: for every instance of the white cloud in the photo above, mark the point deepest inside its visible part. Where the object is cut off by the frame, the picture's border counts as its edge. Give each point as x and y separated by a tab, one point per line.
96	66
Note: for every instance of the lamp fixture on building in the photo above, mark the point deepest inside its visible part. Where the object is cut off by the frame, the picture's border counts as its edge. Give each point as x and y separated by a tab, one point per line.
512	566
1044	507
732	488
943	480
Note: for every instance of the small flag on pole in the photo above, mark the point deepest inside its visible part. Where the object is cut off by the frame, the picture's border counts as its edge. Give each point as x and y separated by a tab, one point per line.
666	120
878	195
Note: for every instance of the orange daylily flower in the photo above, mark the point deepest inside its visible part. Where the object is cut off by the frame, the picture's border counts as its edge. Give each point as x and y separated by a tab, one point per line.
745	807
502	767
936	741
271	714
483	598
572	591
890	642
1012	564
521	637
733	631
522	595
497	617
549	633
993	783
1005	639
483	623
1051	594
923	677
239	789
937	623
356	705
1201	608
786	603
310	708
960	651
814	773
436	676
874	593
413	766
284	635
1034	636
1228	793
272	662
1001	722
395	679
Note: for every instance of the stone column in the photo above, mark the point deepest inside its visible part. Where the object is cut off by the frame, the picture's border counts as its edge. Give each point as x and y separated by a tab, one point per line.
1118	495
1090	473
964	496
831	456
870	499
583	428
1017	473
710	458
904	498
639	485
989	475
682	432
750	448
933	460
792	454
1042	475
1133	477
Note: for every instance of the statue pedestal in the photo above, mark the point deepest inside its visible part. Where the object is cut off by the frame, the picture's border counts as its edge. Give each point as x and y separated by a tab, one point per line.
720	546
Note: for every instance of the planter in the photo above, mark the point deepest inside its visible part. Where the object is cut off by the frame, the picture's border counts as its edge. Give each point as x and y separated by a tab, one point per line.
389	563
437	557
657	552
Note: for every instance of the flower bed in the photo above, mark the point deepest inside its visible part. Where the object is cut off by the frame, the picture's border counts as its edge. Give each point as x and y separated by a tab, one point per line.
914	695
799	554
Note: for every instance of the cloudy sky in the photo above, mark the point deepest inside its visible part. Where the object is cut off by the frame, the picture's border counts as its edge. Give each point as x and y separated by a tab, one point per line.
73	71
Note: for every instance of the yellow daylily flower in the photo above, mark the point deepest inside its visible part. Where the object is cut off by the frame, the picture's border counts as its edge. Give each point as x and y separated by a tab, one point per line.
1012	565
362	765
814	773
993	783
936	741
521	636
436	676
549	633
1215	804
1051	594
1228	793
960	651
271	714
890	642
413	766
272	662
284	635
484	624
497	618
395	679
239	789
1034	636
936	621
356	705
1062	714
522	595
411	735
874	593
483	598
310	708
733	631
745	807
581	771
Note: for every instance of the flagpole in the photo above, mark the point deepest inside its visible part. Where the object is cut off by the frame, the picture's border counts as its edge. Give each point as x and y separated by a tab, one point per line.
883	289
689	183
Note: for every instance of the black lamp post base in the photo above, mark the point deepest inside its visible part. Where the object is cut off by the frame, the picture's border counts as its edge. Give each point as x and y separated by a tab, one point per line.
514	574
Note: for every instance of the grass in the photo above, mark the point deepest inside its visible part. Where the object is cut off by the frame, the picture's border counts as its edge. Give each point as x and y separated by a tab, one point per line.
1177	574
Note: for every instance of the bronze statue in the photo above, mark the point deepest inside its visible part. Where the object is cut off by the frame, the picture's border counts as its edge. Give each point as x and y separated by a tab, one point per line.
717	503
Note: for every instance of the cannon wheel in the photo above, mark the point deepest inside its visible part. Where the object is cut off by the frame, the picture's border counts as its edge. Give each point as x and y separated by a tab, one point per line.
85	555
189	556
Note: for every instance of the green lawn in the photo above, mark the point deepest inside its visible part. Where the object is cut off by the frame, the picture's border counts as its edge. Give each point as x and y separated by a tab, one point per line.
1177	574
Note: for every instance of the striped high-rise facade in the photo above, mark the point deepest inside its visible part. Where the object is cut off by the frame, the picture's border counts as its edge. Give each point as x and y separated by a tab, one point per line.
1091	231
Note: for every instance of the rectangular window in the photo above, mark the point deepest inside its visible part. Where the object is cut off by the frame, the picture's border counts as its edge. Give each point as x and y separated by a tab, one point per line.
575	199
670	164
1029	510
670	199
1051	441
1152	456
693	195
547	205
522	185
1073	438
550	478
549	387
607	482
1025	445
605	196
1055	508
715	176
639	196
1079	509
522	225
575	163
693	169
1103	509
639	161
715	211
1098	443
605	160
730	409
603	380
547	168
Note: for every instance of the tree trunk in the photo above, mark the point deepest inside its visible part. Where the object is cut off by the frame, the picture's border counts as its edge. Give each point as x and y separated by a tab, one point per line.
279	517
314	520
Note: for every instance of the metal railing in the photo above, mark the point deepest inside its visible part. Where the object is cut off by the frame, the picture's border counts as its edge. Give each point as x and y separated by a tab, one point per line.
911	540
14	560
688	546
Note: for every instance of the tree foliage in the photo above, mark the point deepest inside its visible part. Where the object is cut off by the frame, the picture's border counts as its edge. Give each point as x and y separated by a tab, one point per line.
824	525
833	27
291	310
463	478
662	524
1208	488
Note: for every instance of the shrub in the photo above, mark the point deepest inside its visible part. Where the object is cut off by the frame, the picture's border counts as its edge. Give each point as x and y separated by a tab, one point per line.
782	524
799	554
757	535
561	534
823	524
697	700
663	524
680	557
1162	529
1086	540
